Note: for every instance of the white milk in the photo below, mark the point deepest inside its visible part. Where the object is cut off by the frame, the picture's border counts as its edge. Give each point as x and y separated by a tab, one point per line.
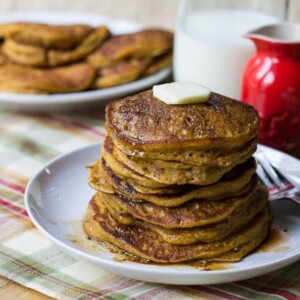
210	48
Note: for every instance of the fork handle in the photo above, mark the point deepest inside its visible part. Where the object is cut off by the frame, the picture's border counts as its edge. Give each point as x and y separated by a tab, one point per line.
285	195
295	198
292	194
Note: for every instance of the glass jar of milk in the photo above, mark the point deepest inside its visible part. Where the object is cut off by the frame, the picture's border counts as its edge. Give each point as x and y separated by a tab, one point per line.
209	45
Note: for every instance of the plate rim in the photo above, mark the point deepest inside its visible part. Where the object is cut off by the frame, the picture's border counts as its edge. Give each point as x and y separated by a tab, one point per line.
144	268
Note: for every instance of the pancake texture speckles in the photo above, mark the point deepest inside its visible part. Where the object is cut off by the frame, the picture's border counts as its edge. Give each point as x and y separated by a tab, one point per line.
100	225
236	182
142	122
176	183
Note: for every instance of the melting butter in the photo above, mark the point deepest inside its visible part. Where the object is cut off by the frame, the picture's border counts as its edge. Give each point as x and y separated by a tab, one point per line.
181	93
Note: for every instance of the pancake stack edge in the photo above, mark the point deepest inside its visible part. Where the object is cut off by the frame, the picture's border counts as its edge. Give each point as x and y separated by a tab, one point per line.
177	183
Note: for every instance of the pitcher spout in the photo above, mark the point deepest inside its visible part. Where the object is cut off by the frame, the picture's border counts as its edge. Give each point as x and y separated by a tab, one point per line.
278	33
282	39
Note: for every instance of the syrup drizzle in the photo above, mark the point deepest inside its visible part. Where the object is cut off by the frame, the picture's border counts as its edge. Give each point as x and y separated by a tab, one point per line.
275	242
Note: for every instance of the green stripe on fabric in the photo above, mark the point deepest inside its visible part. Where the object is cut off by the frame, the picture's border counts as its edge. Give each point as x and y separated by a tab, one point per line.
56	126
190	293
133	291
245	292
27	145
54	287
68	129
47	261
13	226
96	120
25	270
14	196
118	296
47	264
22	275
282	279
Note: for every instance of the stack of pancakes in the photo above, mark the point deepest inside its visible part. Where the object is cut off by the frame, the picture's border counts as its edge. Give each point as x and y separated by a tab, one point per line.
177	182
41	58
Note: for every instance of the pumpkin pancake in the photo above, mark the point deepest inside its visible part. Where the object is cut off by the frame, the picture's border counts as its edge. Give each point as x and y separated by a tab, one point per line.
145	43
168	172
25	53
218	157
21	79
158	63
147	244
124	171
176	183
157	175
208	233
144	123
165	172
190	214
120	73
49	36
3	59
236	182
86	46
39	56
232	160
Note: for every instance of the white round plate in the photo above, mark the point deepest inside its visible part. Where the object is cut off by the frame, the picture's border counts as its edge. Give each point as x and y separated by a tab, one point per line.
79	99
57	197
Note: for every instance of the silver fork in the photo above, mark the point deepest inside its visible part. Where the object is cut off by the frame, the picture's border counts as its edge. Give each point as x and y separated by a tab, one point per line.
279	186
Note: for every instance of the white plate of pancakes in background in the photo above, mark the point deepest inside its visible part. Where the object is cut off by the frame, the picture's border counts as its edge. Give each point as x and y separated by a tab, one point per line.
59	101
57	197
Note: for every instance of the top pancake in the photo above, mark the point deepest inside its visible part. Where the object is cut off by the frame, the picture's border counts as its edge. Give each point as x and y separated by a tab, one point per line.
142	122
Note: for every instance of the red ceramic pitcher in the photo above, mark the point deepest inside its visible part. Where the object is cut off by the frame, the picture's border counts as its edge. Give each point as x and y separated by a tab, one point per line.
271	83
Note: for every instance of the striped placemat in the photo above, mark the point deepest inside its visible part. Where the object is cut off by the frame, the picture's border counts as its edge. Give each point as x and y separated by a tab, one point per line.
27	142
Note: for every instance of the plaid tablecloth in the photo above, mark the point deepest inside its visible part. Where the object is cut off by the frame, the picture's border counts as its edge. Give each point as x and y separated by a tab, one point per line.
27	142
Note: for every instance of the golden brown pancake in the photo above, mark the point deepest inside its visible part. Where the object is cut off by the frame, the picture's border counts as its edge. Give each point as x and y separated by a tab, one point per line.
172	172
24	53
177	183
236	182
120	73
126	57
168	172
20	79
38	56
125	172
158	63
139	182
220	157
3	59
49	36
208	233
147	244
190	214
86	46
142	122
145	43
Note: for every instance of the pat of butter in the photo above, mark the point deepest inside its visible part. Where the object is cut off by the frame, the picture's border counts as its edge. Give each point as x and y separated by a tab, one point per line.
181	93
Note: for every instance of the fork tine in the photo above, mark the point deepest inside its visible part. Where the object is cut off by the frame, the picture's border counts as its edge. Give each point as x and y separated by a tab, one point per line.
279	186
284	180
263	177
270	171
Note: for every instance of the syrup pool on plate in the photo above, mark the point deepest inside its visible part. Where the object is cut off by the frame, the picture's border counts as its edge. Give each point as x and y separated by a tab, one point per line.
210	48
